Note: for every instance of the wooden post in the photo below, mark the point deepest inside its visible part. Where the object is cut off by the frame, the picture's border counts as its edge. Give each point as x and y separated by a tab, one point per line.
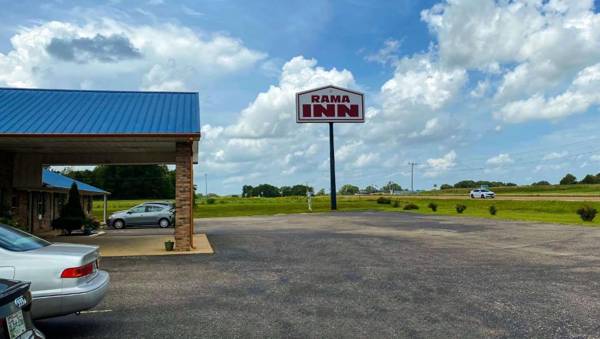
105	209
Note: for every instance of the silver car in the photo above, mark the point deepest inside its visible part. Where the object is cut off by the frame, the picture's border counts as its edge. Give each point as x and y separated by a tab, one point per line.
152	213
64	278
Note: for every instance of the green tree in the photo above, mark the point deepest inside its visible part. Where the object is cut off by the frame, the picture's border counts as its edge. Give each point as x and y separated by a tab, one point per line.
590	179
568	179
286	191
247	191
541	183
445	186
349	189
72	215
391	186
301	190
370	189
265	190
130	181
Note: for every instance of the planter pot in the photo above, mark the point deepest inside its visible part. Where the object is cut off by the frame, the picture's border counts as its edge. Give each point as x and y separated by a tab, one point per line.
169	245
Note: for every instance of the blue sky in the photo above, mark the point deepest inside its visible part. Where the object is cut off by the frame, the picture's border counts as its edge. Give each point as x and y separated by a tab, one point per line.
469	89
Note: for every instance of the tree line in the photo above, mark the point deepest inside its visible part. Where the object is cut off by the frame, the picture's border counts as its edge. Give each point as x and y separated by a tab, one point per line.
568	179
129	181
476	184
270	191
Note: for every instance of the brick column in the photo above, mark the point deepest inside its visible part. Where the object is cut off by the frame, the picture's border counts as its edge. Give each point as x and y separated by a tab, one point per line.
184	188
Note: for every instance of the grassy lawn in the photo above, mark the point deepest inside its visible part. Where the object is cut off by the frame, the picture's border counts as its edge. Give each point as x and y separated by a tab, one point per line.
582	189
543	211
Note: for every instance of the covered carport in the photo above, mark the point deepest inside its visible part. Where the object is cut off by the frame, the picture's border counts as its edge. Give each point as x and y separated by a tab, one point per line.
43	127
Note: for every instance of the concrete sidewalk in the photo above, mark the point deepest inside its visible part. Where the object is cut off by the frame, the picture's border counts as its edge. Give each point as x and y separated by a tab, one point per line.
135	245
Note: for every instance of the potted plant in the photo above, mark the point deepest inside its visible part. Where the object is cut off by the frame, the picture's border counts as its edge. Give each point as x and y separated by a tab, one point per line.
169	245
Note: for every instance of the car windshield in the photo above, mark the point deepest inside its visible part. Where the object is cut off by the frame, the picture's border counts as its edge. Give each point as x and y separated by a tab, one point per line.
15	240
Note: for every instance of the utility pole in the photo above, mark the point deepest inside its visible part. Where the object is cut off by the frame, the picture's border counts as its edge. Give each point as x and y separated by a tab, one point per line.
412	175
206	185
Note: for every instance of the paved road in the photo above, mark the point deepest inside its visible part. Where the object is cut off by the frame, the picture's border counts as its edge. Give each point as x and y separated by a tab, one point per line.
357	275
520	197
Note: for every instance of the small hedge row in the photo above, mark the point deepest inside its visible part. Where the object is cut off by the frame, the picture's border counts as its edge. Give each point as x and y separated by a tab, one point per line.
587	213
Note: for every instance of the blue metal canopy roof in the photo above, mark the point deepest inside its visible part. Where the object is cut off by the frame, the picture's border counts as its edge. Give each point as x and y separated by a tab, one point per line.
78	112
54	180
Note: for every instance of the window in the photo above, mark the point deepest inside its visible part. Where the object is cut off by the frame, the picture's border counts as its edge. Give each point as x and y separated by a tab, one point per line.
138	209
41	203
15	240
154	208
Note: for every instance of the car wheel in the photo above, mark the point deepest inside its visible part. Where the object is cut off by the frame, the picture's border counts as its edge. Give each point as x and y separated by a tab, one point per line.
482	196
118	224
164	223
472	196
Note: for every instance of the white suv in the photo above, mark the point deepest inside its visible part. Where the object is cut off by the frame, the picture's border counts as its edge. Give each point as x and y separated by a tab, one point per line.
482	193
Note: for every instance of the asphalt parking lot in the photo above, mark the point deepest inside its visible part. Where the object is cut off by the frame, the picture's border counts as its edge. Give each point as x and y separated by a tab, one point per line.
363	274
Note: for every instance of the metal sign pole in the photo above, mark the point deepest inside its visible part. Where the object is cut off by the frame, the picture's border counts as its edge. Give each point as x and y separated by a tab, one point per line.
332	168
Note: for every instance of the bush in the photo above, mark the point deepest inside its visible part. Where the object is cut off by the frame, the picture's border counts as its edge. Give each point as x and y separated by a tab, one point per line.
72	216
67	224
493	210
211	201
410	206
433	206
90	224
384	201
460	208
587	213
396	204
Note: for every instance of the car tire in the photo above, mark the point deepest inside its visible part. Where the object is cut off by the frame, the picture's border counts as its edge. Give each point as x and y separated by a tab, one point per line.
164	223
118	224
472	196
482	196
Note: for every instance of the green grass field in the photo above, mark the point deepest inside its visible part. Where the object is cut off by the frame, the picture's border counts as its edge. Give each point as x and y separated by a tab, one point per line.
582	189
542	211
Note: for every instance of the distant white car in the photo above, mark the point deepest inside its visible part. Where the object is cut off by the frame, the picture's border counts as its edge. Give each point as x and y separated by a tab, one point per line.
482	194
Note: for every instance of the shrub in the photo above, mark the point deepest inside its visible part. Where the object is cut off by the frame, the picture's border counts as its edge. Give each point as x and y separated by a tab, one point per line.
396	204
211	201
587	213
493	210
433	206
90	224
460	208
410	206
67	224
384	201
72	216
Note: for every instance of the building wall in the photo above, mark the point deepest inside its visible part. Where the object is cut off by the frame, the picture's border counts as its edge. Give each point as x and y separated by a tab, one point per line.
38	209
6	177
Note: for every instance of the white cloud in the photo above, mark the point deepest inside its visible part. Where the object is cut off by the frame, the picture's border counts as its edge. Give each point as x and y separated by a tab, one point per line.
595	157
437	166
387	54
579	97
266	142
555	155
421	81
271	113
500	160
111	54
411	105
537	48
368	159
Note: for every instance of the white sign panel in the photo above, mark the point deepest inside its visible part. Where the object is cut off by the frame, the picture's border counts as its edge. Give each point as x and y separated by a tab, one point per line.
330	104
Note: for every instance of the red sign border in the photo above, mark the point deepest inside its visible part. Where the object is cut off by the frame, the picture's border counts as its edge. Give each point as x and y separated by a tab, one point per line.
299	120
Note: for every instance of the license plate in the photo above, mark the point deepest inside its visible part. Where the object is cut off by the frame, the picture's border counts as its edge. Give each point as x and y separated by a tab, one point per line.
15	324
